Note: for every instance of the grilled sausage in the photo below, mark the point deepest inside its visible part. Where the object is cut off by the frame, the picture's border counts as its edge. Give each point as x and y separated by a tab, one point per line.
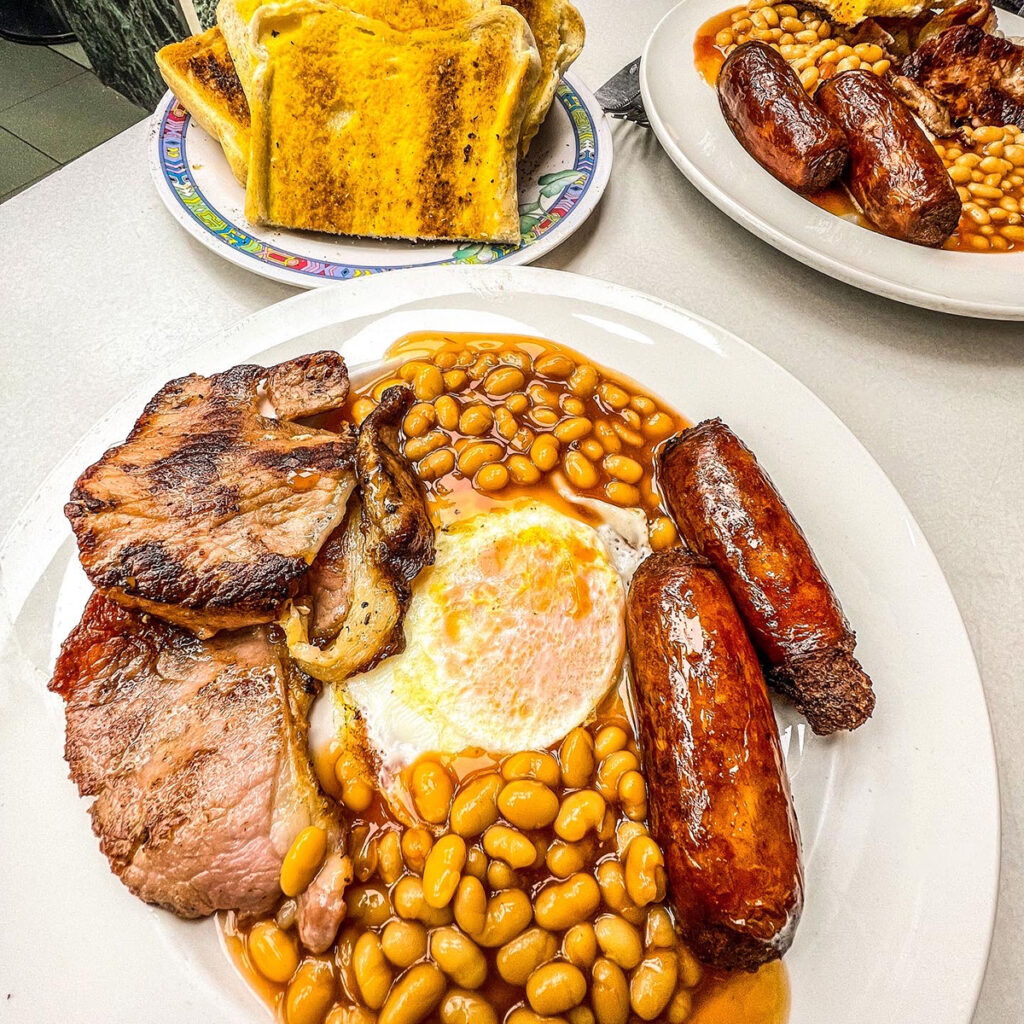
728	510
718	796
775	120
893	172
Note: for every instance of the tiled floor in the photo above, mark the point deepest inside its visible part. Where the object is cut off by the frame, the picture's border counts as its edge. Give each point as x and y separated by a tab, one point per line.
52	109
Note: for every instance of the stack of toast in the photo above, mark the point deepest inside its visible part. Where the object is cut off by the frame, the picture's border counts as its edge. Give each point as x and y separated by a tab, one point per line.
381	118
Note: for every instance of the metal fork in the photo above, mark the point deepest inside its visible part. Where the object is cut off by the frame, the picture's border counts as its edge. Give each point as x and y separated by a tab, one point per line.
620	95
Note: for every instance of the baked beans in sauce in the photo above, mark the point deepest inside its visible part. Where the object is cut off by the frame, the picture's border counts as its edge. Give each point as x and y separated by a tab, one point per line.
583	943
987	165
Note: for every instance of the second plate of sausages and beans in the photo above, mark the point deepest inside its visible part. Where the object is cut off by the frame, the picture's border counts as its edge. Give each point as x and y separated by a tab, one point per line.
880	142
483	652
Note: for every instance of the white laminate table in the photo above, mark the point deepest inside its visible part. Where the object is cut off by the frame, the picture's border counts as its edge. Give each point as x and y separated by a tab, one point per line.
99	286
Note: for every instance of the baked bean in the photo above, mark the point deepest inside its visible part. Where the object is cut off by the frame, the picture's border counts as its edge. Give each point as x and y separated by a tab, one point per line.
303	860
373	973
361	408
446	359
580	470
363	851
476	862
508	914
580	813
612	395
608	740
520	957
443	869
419	419
627	435
555	988
612	768
538	765
389	857
690	969
624	495
658	426
470	905
404	942
492	477
523	440
410	904
619	941
475	420
632	417
509	845
414	996
287	914
522	470
524	1015
417	448
482	365
555	366
503	381
357	795
475	807
653	984
310	993
625	832
431	789
565	859
368	904
583	380
544	452
459	957
562	904
436	464
416	844
645	871
609	993
501	876
592	448
351	1014
505	423
273	952
609	440
611	878
346	945
543	416
642	404
680	1007
460	1007
455	380
658	930
572	429
579	945
572	406
576	755
528	804
663	533
428	384
517	404
623	468
478	454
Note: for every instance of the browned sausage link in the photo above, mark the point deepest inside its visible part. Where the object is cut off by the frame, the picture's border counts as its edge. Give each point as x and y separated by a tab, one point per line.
775	120
719	801
893	171
728	510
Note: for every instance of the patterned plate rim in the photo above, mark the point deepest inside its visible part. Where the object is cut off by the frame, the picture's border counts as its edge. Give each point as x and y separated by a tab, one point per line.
591	160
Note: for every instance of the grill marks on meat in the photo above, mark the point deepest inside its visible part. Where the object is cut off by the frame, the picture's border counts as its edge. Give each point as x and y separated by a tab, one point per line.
195	751
210	513
359	585
976	75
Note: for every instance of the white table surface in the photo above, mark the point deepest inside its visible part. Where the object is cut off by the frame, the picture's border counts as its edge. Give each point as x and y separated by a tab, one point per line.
98	286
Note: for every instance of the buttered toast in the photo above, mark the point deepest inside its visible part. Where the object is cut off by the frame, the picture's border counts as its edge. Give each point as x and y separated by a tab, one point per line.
235	20
559	33
360	129
200	73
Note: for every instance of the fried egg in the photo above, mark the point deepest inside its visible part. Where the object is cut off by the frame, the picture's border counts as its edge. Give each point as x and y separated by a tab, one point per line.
513	637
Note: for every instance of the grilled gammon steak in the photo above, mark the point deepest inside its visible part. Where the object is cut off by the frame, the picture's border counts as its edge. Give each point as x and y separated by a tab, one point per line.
358	589
209	514
195	752
976	75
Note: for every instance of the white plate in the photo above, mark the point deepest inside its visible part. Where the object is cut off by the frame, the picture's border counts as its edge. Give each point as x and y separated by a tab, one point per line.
560	183
684	114
900	819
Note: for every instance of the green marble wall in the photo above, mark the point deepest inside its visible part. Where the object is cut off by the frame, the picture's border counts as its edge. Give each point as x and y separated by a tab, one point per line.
121	36
207	11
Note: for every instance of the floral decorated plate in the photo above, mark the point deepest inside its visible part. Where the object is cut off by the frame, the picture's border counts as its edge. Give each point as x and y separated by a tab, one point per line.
560	183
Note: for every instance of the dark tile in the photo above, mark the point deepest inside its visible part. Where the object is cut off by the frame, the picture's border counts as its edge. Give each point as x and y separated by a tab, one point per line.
73	51
72	118
20	164
28	70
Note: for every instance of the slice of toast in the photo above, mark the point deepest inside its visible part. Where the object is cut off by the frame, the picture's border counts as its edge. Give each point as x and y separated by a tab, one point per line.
200	73
235	19
360	129
559	32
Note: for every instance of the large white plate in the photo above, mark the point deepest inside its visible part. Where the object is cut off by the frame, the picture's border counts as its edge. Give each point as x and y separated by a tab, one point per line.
899	820
561	181
684	114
